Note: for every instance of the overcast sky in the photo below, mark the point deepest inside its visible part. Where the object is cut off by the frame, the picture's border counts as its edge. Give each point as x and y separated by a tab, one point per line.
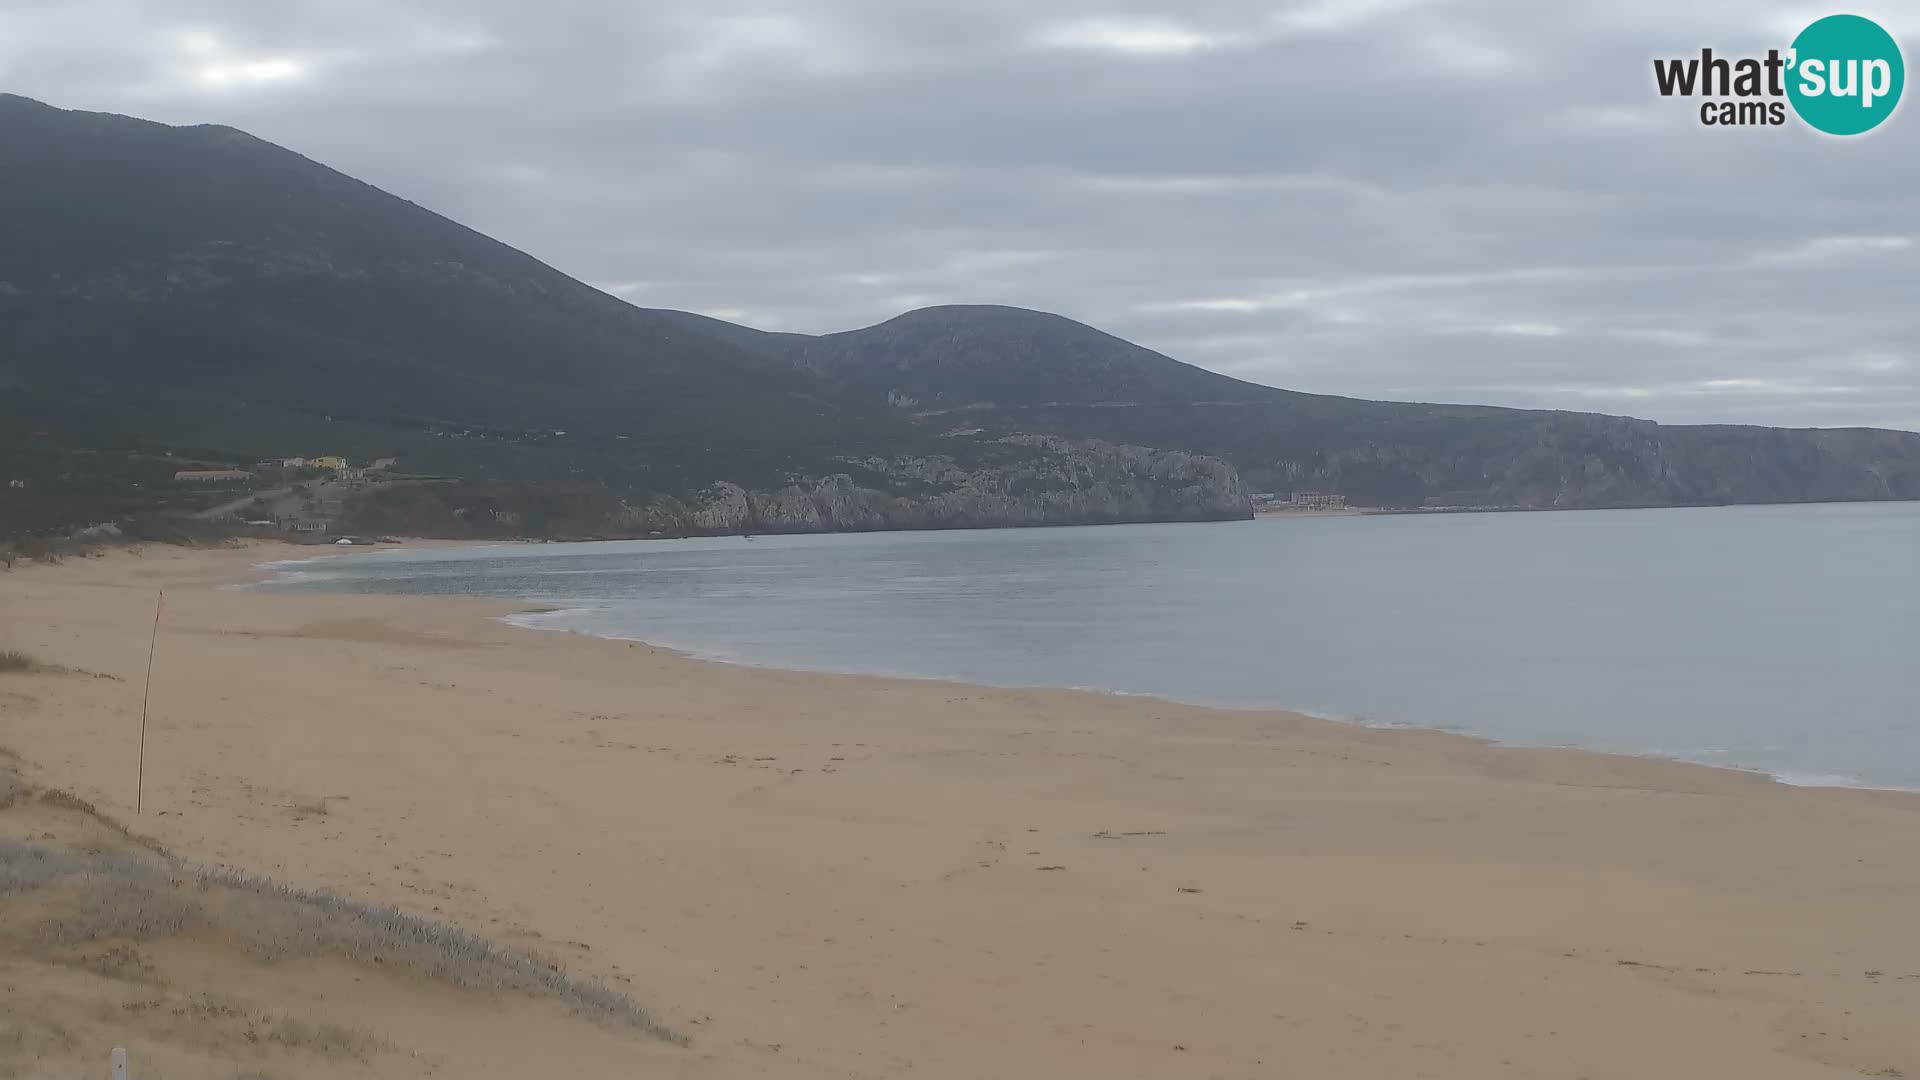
1460	200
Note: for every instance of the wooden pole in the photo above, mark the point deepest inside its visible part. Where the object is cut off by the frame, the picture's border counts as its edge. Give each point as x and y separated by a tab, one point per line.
140	775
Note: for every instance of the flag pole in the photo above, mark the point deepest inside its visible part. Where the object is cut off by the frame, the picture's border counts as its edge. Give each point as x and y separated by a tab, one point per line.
140	776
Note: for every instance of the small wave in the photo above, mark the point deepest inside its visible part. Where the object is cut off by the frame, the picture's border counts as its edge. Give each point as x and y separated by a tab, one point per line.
1108	691
553	611
282	565
288	571
1372	722
563	620
1722	757
288	576
1795	778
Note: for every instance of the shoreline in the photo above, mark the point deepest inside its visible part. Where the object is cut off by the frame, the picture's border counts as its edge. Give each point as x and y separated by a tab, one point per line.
1785	778
844	875
523	619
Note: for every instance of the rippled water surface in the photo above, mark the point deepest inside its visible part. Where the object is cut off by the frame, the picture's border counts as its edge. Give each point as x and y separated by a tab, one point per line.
1777	638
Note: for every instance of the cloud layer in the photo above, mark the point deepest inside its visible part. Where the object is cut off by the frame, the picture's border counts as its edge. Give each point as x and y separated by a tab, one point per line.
1476	200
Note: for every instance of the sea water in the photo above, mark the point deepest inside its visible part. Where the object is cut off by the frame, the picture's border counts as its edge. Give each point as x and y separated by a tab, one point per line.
1784	639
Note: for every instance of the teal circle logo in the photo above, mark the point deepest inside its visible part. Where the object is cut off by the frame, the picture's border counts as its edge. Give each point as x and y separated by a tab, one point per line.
1846	75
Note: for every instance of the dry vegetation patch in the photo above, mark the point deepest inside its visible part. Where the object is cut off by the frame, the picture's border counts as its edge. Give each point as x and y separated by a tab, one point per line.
126	897
107	908
13	661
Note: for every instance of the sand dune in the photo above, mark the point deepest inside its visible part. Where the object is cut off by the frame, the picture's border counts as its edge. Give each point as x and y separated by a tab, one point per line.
107	941
827	875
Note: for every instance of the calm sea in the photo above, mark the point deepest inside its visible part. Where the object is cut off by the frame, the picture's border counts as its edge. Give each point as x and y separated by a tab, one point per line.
1783	639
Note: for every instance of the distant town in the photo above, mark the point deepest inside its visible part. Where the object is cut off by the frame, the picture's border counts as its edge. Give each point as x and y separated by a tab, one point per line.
295	494
1268	502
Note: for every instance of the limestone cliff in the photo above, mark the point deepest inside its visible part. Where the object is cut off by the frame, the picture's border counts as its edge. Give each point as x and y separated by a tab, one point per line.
1068	484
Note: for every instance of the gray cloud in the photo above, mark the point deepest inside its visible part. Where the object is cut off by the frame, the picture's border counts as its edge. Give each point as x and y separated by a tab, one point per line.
1478	200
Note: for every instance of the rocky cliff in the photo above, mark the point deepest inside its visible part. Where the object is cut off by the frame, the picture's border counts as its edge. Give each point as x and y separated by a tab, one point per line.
1575	460
1069	484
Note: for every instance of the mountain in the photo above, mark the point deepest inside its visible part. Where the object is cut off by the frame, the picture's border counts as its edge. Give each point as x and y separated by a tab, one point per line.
176	295
194	297
945	358
1012	369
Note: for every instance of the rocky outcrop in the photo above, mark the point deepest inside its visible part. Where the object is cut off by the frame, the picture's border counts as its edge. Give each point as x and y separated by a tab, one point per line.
1381	454
1066	484
1576	461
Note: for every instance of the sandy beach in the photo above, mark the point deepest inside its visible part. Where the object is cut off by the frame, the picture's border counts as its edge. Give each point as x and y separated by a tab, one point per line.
816	875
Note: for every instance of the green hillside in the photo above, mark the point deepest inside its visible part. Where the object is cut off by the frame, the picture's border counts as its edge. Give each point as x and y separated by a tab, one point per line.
1019	370
194	294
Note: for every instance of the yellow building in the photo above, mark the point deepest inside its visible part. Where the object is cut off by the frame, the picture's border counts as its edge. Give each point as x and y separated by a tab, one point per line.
334	463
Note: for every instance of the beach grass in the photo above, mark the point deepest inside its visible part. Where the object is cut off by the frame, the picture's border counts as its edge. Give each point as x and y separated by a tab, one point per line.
137	892
126	896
